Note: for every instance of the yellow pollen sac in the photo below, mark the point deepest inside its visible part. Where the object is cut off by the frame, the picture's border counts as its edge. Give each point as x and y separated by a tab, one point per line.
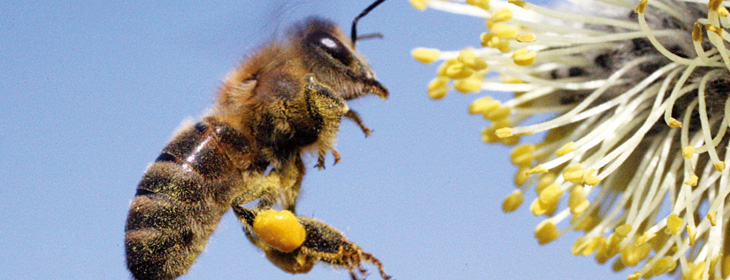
484	4
695	271
623	230
674	123
426	55
523	57
723	12
546	231
519	3
574	173
589	179
631	255
419	4
441	71
692	181
577	201
503	30
661	266
537	169
279	229
565	149
714	5
468	85
458	71
438	88
697	32
674	224
692	234
538	208
504	132
521	176
526	38
522	155
498	114
483	105
688	152
720	165
711	216
545	180
551	194
503	14
489	136
642	6
471	60
644	238
513	201
585	247
634	276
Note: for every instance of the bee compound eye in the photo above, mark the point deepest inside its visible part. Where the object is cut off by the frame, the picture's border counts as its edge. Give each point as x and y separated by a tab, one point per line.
331	46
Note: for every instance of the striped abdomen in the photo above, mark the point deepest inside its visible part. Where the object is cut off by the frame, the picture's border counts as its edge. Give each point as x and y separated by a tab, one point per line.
181	199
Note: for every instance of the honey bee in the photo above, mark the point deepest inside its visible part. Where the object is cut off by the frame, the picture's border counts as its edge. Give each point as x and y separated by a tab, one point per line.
283	102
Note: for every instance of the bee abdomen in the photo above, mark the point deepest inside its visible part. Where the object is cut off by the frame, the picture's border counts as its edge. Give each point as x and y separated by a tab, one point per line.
179	201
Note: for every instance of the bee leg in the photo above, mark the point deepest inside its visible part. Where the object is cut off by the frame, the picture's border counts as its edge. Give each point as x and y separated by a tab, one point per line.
336	154
323	243
354	116
320	159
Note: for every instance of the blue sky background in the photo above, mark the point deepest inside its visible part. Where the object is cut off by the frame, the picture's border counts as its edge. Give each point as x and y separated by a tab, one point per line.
92	90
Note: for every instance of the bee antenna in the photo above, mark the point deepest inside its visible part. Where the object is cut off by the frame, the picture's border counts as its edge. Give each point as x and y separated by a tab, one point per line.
353	33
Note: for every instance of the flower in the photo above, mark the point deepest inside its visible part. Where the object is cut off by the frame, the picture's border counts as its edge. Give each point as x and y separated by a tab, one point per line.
633	100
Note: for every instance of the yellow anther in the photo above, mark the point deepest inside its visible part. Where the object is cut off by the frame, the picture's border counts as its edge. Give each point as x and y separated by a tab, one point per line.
697	32
577	195
488	40
512	80
574	173
537	169
504	132
438	88
545	180
419	4
522	155
644	238
519	3
612	245
489	136
551	194
513	201
279	229
631	255
692	234
720	165
692	181
584	222
483	104
521	176
661	266
642	7
503	14
565	149
674	224
441	71
538	208
589	179
622	231
426	55
634	276
468	85
504	30
546	231
711	217
583	246
695	271
674	123
500	113
523	57
484	4
471	60
458	71
688	152
722	12
713	28
526	38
